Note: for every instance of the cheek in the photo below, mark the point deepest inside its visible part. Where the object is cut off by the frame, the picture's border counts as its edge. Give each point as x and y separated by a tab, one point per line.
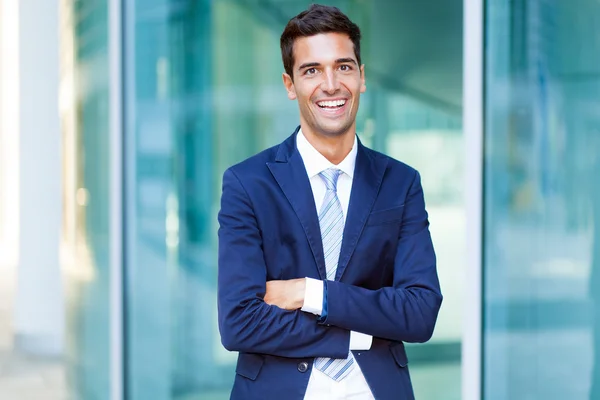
354	87
308	90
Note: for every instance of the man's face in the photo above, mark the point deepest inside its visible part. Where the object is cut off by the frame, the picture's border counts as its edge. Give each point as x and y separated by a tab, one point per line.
327	83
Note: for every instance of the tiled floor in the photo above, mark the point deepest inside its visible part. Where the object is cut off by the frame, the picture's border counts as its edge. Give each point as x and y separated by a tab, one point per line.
24	377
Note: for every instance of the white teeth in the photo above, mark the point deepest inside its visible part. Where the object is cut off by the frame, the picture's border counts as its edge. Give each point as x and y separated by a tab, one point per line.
336	103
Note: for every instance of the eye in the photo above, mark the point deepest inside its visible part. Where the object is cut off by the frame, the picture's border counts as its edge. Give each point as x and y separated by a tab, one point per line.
345	67
310	71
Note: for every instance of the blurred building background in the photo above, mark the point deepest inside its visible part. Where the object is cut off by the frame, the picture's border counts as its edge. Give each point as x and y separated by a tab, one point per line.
118	118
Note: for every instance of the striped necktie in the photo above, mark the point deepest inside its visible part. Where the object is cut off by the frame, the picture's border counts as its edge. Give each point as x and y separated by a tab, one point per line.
331	221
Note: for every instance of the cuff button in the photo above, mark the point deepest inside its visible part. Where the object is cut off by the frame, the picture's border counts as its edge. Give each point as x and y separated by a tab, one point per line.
303	366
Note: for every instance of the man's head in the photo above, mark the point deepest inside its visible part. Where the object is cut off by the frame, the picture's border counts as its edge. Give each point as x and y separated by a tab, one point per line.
317	19
320	49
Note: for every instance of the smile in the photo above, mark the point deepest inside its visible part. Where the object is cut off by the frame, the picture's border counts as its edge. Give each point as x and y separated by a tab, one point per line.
331	104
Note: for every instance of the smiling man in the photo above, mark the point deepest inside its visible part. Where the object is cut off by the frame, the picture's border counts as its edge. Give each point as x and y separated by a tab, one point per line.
326	265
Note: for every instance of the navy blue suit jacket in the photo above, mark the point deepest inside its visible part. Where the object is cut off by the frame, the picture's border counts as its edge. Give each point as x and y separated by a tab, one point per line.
386	283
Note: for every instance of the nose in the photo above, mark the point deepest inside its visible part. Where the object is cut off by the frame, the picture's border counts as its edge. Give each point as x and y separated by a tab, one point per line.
330	83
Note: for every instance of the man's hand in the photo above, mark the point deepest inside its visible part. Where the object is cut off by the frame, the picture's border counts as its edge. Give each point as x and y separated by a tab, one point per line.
288	295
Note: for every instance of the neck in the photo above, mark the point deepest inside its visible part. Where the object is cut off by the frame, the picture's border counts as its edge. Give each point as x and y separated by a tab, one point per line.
335	148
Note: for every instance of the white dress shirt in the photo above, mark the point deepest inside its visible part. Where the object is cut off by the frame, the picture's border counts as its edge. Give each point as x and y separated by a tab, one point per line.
320	386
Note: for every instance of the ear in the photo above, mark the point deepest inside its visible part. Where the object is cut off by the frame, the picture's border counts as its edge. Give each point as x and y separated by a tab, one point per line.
289	86
363	84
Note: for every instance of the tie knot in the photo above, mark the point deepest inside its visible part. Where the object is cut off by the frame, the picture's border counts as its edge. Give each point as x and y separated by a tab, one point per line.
330	177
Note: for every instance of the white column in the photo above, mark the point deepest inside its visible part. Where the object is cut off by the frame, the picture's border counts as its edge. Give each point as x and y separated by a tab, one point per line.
2	167
473	109
39	310
9	125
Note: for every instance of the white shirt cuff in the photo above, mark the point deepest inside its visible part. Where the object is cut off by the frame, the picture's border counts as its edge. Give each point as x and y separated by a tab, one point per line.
313	296
360	341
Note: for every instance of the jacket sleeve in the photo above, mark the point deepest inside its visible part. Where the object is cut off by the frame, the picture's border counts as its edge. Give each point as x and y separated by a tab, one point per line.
406	311
246	322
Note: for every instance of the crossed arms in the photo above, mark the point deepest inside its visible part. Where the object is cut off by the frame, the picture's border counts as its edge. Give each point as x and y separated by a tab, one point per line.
252	312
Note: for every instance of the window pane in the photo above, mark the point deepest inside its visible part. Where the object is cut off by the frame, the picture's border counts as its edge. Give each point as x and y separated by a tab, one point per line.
204	91
542	203
84	120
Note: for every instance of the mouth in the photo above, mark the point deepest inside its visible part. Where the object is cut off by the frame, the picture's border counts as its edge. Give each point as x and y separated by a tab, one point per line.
332	107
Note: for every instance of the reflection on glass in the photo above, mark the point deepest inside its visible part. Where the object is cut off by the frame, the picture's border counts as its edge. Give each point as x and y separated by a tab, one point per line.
84	120
541	198
204	91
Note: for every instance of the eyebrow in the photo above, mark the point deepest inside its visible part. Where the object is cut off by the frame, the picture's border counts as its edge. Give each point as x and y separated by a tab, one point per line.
338	61
346	60
308	65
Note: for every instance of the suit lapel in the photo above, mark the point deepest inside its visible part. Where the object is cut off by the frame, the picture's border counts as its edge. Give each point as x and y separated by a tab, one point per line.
368	175
290	173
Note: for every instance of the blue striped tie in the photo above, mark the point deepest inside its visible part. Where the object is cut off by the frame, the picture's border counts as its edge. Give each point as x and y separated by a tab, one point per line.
331	220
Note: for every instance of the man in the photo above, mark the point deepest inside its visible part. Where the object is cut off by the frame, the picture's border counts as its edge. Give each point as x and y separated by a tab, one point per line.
326	264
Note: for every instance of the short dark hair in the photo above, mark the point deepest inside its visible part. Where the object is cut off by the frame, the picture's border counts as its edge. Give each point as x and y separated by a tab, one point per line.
317	19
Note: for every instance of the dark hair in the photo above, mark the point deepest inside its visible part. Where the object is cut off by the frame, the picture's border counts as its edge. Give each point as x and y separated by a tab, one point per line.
317	19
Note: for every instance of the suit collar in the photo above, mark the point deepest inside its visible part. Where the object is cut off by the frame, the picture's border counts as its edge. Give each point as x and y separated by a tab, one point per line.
287	148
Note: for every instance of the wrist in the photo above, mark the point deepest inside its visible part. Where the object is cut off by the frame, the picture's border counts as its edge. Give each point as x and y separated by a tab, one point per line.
300	292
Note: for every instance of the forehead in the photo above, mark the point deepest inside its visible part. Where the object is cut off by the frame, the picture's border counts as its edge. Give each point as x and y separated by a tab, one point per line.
323	48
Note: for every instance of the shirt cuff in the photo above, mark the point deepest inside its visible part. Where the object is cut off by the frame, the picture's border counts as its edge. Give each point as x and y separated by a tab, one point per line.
360	341
313	296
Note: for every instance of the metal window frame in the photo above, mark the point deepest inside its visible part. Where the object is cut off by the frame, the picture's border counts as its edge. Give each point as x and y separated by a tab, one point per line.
115	52
473	120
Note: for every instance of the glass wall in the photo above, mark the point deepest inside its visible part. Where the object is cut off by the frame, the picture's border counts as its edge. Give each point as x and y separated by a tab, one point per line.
203	91
542	200
84	120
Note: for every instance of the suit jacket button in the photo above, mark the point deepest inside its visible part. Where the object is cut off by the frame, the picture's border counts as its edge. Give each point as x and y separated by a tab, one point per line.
303	366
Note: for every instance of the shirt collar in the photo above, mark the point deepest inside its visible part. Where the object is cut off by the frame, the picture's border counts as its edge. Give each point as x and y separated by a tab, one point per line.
315	162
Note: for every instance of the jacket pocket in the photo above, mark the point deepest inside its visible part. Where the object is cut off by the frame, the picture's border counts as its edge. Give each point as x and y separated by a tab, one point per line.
387	216
399	354
249	365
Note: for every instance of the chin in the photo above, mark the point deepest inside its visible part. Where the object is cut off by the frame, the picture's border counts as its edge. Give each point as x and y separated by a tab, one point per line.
333	131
